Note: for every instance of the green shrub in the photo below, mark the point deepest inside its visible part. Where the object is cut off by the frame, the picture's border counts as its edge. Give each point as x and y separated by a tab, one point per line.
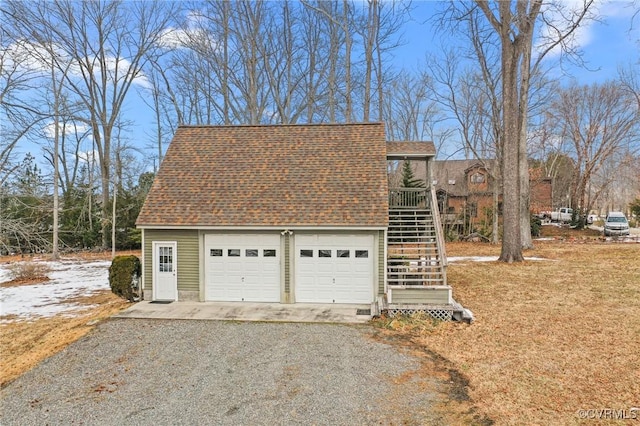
536	225
578	219
124	277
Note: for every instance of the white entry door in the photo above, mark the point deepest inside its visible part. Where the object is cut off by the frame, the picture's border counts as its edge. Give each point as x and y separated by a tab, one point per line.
334	268
242	267
165	270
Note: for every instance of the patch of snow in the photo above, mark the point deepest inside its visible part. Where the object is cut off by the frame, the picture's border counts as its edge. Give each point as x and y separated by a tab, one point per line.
68	279
5	275
454	259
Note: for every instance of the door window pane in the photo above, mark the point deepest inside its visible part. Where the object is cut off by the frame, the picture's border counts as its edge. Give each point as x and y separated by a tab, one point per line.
215	252
165	259
343	253
362	253
324	253
251	253
233	253
306	253
269	253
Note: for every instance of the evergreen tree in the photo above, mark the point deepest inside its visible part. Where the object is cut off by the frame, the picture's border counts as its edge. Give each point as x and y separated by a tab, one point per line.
409	179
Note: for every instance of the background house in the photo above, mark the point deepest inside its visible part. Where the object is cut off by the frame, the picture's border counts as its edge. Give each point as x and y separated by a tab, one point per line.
465	191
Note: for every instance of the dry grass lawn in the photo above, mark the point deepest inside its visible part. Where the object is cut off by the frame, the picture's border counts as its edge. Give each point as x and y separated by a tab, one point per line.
24	344
551	337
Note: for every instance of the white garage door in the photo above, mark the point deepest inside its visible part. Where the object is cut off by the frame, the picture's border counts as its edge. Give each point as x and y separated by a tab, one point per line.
334	268
242	267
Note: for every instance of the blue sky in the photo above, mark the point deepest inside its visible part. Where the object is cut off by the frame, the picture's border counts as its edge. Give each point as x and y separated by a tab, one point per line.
612	41
608	44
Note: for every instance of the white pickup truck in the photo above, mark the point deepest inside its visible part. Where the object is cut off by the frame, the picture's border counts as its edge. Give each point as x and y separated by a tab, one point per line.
562	214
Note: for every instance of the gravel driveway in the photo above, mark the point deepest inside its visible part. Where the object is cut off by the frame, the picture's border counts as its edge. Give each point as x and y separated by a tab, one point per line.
208	372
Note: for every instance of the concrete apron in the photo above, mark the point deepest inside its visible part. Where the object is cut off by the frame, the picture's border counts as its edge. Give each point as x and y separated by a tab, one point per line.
248	311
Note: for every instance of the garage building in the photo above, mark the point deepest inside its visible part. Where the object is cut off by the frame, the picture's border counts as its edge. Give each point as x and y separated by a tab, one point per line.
268	213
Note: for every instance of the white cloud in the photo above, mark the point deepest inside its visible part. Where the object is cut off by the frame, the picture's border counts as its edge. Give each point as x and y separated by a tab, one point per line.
34	57
619	9
88	156
173	38
559	15
558	18
30	56
197	38
117	69
68	129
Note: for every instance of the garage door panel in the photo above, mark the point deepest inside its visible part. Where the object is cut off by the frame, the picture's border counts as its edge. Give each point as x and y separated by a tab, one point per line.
343	267
271	268
251	267
361	267
243	272
343	275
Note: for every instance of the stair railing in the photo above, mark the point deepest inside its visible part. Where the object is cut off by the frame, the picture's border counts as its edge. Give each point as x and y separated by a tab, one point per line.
439	234
407	198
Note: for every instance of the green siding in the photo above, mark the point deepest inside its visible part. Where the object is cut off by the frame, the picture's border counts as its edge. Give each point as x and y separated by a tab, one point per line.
287	265
382	261
426	296
188	256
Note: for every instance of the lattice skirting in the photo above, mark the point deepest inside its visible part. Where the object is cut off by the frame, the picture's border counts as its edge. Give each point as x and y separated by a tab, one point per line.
443	313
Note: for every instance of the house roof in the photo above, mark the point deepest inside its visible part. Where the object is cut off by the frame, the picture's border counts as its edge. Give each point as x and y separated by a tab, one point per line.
410	150
450	175
271	175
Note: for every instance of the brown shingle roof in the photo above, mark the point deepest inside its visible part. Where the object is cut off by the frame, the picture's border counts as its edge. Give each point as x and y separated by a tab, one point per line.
271	175
411	149
455	170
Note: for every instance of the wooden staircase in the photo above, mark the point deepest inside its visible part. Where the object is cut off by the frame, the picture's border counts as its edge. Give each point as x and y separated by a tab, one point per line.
416	258
413	256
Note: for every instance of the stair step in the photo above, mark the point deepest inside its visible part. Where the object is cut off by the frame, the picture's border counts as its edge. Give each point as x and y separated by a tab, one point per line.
413	256
414	276
418	239
400	227
409	234
423	249
430	270
417	252
396	258
425	270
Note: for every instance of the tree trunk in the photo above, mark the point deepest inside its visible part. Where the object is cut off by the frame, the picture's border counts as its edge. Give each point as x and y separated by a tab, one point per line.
347	64
56	176
495	237
113	220
511	236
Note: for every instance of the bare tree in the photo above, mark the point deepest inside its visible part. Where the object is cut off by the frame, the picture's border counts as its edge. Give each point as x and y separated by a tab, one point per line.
630	81
513	24
17	116
410	113
599	122
107	45
378	27
472	97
